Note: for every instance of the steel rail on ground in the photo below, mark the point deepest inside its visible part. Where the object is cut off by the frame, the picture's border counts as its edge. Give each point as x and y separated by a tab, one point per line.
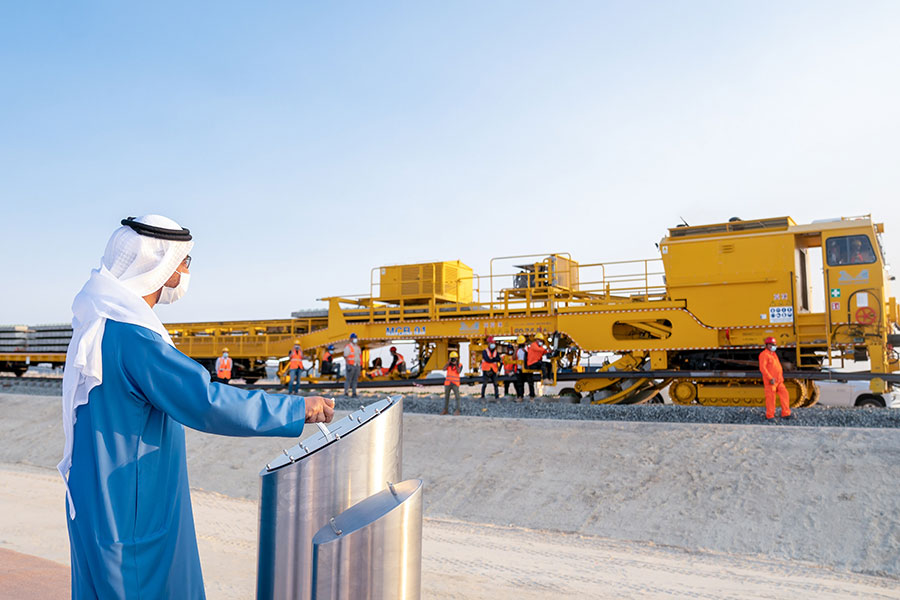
561	377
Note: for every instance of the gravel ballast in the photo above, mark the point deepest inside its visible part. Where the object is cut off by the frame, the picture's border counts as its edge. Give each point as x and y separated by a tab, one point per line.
551	407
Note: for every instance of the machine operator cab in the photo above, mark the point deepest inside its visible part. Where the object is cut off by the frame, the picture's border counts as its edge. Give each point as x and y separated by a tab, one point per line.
821	289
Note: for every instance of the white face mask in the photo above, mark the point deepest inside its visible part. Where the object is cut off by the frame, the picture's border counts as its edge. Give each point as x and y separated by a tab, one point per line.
224	355
773	347
170	295
492	346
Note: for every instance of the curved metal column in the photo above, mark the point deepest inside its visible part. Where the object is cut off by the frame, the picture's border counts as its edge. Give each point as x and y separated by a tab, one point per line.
319	478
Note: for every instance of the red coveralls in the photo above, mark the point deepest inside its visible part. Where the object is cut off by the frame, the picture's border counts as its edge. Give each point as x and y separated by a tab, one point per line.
770	367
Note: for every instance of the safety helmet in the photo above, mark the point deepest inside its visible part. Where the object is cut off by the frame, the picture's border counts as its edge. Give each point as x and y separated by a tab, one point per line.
296	342
539	336
769	340
490	339
393	348
454	354
330	347
353	336
224	349
520	339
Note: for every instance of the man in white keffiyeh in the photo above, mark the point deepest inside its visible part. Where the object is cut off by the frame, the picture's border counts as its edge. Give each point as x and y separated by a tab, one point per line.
127	392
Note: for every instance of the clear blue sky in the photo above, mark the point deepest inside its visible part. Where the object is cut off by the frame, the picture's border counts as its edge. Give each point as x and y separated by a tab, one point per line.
305	142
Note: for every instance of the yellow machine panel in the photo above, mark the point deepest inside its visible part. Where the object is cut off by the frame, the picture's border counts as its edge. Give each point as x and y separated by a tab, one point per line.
447	281
731	279
564	273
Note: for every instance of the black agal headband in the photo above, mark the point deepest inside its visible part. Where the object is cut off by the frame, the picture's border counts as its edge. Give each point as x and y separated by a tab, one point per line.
175	235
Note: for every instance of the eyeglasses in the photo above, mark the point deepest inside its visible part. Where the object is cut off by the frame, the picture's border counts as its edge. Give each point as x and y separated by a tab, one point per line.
186	263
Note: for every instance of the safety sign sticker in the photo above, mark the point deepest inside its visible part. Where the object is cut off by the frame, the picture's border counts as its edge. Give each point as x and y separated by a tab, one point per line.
781	314
835	292
835	306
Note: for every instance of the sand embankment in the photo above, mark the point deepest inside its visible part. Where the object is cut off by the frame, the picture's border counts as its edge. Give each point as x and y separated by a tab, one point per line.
599	490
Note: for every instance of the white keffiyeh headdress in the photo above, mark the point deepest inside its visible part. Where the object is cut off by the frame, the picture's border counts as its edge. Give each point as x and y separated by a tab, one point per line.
139	258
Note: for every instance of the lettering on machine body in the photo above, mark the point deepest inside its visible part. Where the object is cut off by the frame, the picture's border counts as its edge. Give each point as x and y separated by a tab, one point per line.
405	330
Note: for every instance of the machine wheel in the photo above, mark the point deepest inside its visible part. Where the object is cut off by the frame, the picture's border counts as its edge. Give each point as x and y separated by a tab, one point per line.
570	395
683	392
870	400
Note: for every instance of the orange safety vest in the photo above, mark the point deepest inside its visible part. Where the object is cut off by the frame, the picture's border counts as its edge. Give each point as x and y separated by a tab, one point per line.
770	367
326	357
399	359
452	377
350	355
296	359
376	372
224	370
490	366
510	366
535	353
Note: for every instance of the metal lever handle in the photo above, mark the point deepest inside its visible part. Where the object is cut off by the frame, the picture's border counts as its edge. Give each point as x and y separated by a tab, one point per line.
334	527
328	435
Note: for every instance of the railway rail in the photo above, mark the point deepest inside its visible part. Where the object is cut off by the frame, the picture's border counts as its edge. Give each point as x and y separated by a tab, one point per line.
668	375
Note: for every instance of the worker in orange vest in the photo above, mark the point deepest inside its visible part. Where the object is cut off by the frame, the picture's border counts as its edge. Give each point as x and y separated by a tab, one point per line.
353	362
773	380
858	255
536	352
295	366
397	362
378	369
509	368
490	366
223	367
451	382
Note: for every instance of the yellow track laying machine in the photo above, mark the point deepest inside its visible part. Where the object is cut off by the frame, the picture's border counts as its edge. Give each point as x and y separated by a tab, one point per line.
692	319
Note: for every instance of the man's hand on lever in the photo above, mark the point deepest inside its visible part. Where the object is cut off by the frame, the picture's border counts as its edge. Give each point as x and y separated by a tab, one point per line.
319	409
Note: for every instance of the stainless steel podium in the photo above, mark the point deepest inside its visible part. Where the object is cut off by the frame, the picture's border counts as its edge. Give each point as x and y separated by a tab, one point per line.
317	480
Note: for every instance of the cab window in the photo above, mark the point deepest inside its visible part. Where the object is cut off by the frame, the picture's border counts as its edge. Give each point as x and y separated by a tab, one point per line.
849	250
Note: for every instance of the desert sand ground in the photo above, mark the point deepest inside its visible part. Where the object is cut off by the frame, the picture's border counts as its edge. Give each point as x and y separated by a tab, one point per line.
538	508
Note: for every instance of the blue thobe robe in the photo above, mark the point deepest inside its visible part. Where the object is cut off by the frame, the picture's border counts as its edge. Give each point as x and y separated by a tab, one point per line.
133	532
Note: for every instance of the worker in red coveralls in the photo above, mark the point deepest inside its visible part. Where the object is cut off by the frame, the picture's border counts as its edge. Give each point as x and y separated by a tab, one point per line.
773	380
